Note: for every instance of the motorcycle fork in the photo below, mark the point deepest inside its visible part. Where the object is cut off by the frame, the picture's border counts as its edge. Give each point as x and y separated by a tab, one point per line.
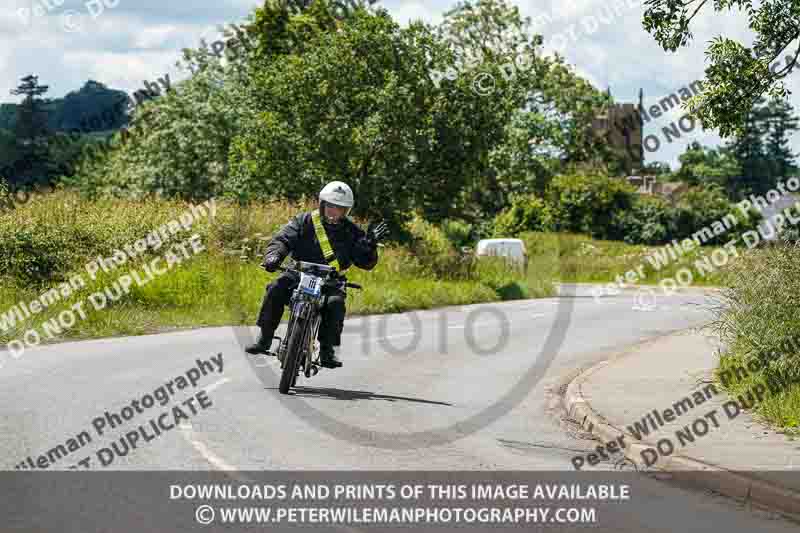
295	310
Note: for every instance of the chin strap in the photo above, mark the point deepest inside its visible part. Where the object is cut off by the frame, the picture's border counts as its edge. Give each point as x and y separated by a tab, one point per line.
324	243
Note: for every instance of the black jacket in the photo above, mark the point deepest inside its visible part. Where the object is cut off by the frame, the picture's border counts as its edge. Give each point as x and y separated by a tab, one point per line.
347	239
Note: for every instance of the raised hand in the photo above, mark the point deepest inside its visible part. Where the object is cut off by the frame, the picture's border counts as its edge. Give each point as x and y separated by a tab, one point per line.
376	231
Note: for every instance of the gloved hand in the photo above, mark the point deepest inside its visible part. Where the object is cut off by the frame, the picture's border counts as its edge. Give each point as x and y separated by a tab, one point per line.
376	231
271	261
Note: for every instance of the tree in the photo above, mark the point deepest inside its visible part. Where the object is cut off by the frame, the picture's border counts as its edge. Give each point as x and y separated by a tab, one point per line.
178	144
659	169
360	104
489	39
748	148
701	165
549	107
738	75
93	108
31	131
782	122
753	161
31	120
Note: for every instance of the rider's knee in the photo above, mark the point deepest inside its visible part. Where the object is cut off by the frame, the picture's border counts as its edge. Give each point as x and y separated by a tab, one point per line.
336	302
281	287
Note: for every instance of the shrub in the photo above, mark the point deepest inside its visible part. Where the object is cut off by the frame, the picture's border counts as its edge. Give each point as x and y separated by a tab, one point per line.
650	220
700	207
6	201
436	252
458	232
526	213
587	203
759	311
56	234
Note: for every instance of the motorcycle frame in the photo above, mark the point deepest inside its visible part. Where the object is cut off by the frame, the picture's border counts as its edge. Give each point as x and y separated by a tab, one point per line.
305	306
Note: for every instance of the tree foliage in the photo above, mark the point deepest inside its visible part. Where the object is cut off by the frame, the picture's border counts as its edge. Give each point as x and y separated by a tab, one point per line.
587	202
31	131
550	129
781	123
319	96
359	104
738	75
702	165
754	161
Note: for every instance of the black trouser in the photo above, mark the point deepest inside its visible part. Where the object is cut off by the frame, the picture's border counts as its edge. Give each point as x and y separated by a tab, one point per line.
277	296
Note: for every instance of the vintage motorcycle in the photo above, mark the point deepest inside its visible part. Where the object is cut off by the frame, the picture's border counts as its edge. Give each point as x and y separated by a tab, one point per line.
298	351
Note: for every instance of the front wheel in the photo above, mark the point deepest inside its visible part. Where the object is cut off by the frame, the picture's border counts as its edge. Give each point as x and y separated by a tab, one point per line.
294	349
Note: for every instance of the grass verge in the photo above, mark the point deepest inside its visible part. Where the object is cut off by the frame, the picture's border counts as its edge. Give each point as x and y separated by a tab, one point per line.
51	239
757	319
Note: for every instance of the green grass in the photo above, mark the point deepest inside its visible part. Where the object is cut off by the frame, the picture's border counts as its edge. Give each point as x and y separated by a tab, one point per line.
781	410
582	259
53	236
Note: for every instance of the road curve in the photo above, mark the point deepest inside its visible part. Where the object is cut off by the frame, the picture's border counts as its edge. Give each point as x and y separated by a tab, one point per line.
421	373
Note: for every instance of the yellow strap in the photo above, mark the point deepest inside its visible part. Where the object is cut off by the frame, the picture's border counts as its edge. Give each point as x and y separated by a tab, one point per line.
324	243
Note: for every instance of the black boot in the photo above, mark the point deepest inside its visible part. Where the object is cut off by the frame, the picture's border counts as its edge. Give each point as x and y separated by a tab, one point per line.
327	357
261	346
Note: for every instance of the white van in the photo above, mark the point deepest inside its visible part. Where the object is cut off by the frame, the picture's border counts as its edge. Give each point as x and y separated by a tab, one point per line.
512	249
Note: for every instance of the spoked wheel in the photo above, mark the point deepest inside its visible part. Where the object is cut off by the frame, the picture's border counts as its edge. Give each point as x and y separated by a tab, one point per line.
294	350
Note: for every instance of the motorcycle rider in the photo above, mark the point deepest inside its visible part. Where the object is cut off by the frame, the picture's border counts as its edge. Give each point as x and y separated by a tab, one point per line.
324	236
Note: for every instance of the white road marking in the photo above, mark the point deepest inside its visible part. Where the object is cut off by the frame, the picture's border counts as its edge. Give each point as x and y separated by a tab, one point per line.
188	433
216	384
217	462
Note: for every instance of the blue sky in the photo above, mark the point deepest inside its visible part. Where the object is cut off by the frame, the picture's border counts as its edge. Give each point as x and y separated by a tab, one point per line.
135	40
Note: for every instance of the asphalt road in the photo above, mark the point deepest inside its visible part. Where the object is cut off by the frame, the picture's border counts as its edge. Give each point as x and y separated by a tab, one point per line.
462	388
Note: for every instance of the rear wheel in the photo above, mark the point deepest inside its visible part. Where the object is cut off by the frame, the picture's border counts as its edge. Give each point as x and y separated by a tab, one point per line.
294	349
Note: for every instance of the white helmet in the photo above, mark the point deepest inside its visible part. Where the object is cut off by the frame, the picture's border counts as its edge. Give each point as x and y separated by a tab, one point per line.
336	193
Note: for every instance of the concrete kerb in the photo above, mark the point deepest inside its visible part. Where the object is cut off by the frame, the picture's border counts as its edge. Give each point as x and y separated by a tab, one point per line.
682	469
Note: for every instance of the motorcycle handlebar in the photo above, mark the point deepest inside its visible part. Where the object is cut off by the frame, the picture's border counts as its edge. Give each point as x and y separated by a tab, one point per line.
348	284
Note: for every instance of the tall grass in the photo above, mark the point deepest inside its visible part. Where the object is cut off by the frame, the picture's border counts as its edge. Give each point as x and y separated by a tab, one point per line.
757	318
580	258
52	237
